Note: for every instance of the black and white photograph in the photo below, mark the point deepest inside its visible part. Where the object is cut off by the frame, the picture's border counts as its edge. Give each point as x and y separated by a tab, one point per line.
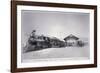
54	34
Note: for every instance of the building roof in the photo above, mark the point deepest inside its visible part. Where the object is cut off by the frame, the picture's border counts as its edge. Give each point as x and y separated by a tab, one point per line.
71	37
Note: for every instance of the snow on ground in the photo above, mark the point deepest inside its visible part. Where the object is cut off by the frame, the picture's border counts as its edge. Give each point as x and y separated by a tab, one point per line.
49	53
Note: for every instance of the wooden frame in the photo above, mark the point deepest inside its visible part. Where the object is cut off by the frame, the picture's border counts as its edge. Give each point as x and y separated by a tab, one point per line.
14	35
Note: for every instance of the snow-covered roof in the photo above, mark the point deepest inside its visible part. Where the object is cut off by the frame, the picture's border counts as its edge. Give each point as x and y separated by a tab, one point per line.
71	37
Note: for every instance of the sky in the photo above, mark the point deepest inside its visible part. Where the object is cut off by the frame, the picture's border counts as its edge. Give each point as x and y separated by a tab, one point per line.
54	24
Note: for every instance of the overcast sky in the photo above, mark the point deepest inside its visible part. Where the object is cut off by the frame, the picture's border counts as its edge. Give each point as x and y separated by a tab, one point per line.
56	24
